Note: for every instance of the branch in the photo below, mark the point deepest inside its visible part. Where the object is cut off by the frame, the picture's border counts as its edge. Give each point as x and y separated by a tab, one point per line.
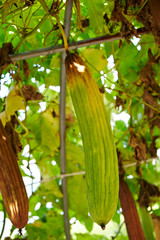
65	175
71	46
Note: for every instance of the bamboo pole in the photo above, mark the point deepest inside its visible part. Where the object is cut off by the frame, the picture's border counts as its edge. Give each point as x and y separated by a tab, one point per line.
71	46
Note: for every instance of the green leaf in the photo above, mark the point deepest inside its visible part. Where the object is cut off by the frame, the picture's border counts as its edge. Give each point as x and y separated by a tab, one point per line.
88	224
2	35
95	12
46	27
77	195
157	211
156	131
116	218
36	231
53	187
132	75
147	224
127	55
86	236
158	143
33	125
109	96
151	173
51	228
55	225
120	125
48	171
53	78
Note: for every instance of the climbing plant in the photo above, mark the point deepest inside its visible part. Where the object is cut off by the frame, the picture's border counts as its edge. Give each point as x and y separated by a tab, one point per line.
119	41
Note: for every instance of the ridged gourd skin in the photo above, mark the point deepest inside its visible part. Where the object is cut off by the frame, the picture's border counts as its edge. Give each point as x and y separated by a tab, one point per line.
129	210
101	165
155	11
12	187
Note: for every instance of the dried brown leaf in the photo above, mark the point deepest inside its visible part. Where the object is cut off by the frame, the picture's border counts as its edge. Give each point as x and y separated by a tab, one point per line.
30	93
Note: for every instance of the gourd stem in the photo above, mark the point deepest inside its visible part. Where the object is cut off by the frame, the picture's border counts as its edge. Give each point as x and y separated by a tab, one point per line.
63	33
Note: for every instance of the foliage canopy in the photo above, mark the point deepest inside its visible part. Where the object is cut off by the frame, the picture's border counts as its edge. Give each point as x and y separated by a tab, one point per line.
127	73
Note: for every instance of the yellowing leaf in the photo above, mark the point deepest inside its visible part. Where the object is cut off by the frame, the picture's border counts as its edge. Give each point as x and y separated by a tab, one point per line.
95	58
56	61
4	118
75	157
14	102
53	78
49	131
52	186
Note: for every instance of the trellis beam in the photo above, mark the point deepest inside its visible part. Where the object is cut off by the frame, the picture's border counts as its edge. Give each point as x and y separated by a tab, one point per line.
66	175
62	119
72	46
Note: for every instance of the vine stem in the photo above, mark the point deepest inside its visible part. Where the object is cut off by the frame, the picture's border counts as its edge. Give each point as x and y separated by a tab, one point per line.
22	125
118	232
63	33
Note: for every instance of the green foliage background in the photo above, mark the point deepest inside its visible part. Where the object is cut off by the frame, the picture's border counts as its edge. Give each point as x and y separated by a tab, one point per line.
29	26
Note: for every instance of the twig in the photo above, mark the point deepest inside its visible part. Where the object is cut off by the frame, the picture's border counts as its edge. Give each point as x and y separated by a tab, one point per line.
119	230
31	32
44	5
136	98
71	46
65	175
135	163
62	176
66	33
125	133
